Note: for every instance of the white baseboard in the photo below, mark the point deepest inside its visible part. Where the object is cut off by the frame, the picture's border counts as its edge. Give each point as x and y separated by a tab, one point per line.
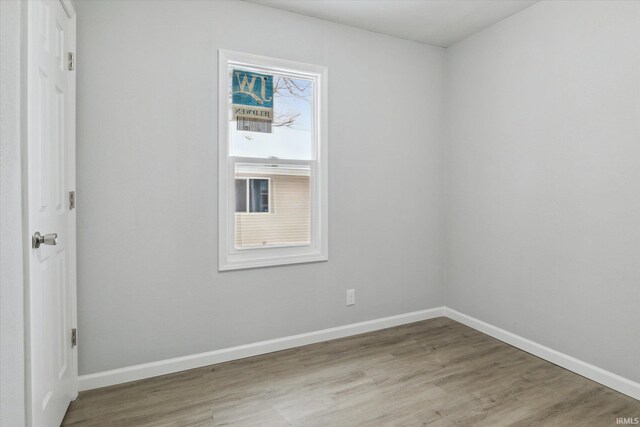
609	379
162	367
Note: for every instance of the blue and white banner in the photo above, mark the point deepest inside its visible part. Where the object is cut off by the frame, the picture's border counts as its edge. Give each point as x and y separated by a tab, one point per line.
252	96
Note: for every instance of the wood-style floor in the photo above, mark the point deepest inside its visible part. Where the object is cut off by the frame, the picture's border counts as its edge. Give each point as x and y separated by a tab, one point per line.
437	372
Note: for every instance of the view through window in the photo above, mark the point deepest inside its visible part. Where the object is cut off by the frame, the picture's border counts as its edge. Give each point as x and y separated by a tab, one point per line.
279	192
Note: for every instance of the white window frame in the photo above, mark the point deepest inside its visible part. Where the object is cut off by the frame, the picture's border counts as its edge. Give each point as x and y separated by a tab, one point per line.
230	257
248	193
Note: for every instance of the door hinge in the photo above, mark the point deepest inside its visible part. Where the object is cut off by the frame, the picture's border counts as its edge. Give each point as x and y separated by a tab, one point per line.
72	200
74	337
71	61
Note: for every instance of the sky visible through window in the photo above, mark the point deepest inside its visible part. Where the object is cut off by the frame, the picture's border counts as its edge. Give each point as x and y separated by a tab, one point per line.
292	136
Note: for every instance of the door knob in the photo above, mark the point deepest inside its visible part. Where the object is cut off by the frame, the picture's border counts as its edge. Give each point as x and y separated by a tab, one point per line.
48	239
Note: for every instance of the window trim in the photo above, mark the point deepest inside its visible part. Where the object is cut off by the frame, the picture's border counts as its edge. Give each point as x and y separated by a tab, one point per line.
229	257
248	195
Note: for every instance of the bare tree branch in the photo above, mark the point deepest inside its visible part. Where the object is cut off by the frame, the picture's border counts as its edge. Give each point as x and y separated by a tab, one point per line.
285	86
285	120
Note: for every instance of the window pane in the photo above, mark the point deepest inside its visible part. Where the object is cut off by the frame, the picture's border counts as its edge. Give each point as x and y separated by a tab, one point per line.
291	135
259	196
241	195
280	206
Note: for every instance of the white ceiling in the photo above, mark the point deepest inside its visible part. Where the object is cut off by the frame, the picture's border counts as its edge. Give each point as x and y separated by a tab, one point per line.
436	22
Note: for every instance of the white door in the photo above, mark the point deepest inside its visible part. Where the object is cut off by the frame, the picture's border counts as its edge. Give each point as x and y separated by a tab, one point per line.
50	173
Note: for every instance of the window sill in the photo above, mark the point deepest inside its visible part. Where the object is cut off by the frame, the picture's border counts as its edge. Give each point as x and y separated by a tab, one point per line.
258	263
272	245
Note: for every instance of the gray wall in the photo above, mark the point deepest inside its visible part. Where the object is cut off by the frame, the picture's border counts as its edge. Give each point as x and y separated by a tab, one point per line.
148	285
544	179
12	409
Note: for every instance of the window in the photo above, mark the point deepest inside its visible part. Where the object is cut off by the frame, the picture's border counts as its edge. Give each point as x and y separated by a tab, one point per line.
272	162
252	195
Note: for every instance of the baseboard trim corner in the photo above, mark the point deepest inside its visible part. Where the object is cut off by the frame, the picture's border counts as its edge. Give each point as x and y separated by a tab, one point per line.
599	375
169	366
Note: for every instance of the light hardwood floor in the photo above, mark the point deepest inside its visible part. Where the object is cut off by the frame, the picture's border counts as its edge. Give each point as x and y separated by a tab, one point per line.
437	372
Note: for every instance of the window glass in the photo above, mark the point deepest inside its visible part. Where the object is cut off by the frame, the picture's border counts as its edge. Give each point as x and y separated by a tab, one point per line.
241	195
291	134
259	196
279	205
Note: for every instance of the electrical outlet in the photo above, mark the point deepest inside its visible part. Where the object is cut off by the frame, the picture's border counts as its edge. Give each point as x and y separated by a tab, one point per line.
351	297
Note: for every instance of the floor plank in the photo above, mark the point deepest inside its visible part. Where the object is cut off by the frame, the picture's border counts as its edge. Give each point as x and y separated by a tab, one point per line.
436	372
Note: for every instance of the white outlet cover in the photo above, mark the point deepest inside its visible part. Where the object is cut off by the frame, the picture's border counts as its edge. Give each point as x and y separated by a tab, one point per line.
351	297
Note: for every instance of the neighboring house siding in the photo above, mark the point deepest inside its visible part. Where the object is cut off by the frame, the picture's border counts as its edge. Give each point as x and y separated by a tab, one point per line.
288	221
